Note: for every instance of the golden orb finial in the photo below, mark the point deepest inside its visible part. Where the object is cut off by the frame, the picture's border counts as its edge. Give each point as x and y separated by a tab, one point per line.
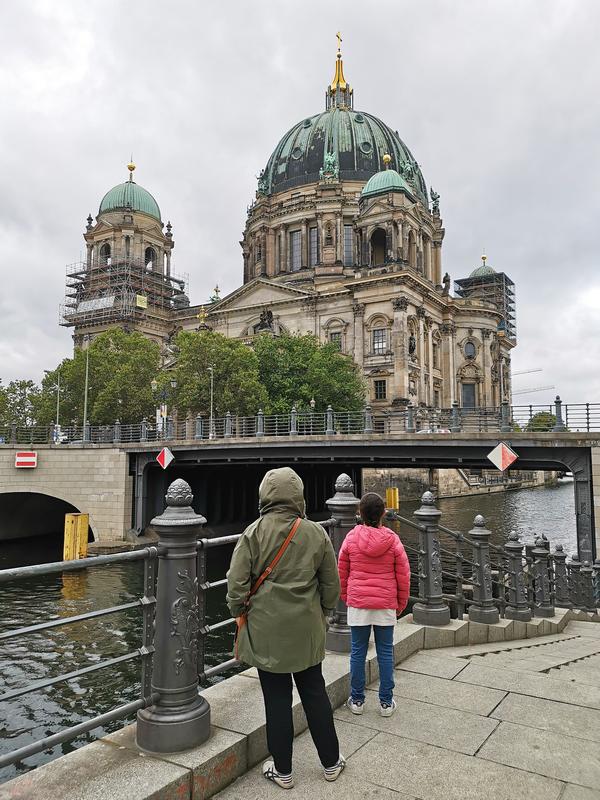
131	168
483	259
387	160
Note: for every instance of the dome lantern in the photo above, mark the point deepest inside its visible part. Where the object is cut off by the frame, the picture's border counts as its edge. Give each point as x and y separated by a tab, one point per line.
339	92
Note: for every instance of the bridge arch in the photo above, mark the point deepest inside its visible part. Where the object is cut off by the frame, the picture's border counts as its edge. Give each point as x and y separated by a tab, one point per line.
30	514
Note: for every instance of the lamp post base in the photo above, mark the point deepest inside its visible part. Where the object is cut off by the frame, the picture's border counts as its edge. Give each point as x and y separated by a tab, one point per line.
338	639
161	731
427	615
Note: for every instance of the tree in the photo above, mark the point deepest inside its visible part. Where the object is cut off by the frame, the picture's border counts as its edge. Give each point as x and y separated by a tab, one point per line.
237	387
296	369
18	401
121	369
542	421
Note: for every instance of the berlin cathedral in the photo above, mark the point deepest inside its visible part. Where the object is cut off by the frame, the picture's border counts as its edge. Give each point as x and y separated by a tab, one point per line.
343	240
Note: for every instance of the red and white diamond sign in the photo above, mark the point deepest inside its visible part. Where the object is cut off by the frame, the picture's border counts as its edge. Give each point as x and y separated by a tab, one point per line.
26	459
502	456
165	457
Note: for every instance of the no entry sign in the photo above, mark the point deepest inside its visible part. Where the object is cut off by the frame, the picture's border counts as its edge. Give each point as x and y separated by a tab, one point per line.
26	459
502	456
165	457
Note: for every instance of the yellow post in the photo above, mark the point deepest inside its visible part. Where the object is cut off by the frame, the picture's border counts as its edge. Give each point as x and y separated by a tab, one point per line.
76	536
392	498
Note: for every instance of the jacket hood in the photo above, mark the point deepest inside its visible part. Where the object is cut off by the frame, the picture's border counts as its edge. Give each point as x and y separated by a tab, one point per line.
374	542
281	490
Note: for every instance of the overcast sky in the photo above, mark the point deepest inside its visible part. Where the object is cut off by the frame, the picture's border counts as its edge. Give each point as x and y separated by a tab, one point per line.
497	99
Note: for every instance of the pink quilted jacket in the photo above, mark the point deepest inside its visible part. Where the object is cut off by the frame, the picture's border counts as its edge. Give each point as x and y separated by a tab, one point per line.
374	569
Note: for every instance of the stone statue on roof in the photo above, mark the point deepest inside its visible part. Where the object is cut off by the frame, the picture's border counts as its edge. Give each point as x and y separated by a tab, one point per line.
435	201
329	170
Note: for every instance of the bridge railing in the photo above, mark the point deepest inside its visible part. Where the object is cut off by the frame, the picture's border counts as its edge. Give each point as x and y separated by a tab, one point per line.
409	419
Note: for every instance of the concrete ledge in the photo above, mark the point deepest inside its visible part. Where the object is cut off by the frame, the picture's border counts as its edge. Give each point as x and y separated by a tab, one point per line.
114	767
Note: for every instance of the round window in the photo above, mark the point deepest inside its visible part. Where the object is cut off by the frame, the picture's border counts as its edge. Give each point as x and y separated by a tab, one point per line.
296	153
366	147
359	118
470	350
307	123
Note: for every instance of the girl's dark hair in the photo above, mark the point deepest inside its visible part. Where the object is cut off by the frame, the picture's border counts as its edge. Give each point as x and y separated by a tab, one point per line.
371	509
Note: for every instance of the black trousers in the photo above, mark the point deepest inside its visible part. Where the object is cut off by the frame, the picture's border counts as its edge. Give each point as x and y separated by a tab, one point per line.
277	692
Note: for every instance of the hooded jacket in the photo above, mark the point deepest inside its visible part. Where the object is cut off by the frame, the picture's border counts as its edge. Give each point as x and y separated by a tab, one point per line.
374	569
285	630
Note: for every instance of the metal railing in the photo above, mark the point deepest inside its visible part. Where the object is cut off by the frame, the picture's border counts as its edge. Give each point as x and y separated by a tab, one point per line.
144	652
458	572
555	417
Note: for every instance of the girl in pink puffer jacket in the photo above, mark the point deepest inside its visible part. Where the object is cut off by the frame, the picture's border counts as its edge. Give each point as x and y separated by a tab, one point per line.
375	579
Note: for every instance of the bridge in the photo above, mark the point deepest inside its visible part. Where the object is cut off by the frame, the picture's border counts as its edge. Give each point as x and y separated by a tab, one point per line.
111	471
502	701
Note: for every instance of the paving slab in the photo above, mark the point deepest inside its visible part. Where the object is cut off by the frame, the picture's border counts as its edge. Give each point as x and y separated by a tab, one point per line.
545	753
590	677
533	684
591	629
308	774
433	773
451	694
534	712
423	722
101	771
573	792
438	665
500	647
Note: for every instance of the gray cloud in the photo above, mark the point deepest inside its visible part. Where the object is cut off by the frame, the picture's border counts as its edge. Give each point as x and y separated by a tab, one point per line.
497	100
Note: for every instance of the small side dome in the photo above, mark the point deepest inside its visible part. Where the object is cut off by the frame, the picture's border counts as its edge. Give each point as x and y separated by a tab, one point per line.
386	181
483	269
130	196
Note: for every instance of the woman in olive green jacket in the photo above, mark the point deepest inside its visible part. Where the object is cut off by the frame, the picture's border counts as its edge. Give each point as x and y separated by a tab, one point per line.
286	623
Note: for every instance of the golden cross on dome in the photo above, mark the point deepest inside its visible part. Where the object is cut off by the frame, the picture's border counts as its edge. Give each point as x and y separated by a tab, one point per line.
339	38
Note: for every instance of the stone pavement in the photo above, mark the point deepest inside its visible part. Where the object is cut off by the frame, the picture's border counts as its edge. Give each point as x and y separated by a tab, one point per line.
504	721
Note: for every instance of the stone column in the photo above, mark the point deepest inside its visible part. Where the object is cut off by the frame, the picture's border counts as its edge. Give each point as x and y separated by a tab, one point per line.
437	263
421	333
399	344
430	350
359	339
88	259
486	391
283	264
343	506
277	264
269	255
339	238
304	248
180	719
168	254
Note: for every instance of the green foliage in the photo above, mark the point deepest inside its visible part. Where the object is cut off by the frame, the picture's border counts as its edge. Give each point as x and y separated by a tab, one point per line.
295	369
542	421
236	376
121	369
18	402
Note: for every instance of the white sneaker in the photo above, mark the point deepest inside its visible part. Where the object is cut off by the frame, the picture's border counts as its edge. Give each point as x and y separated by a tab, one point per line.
356	707
271	774
387	710
333	773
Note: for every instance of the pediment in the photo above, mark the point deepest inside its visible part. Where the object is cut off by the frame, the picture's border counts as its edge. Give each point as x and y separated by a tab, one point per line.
259	293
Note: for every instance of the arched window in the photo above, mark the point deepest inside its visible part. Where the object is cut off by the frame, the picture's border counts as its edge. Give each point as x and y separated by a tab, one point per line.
127	247
105	254
470	350
378	247
150	258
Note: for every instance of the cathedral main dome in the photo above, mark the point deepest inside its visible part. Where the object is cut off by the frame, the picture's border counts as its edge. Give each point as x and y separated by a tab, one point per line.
358	139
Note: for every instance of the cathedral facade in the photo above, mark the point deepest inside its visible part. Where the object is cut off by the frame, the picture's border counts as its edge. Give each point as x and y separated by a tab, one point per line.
343	241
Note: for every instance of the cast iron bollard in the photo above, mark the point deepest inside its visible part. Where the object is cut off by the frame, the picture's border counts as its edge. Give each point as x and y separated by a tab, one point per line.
559	424
432	609
170	428
180	719
518	607
116	432
561	578
587	587
198	431
368	427
343	506
410	419
228	426
144	430
505	425
260	423
575	581
329	421
483	609
544	604
455	418
293	421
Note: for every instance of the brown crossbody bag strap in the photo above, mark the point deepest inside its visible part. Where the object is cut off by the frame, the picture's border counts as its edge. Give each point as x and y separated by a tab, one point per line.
259	582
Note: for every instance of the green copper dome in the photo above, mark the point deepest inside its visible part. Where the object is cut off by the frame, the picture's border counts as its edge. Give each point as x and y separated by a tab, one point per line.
387	181
483	269
357	140
130	196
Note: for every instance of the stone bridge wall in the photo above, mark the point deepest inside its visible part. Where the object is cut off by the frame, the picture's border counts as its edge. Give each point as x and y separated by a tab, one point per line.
94	480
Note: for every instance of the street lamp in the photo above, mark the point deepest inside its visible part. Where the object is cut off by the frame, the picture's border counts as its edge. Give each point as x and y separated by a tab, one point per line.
49	372
211	428
162	412
86	340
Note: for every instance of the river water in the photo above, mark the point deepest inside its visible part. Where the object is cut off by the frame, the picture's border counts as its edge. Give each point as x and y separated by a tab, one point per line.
529	511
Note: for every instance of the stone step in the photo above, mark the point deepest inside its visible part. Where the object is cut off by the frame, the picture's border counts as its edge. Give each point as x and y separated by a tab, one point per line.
576	674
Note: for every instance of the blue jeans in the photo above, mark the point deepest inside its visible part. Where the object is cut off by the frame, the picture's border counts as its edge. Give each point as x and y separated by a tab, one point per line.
384	645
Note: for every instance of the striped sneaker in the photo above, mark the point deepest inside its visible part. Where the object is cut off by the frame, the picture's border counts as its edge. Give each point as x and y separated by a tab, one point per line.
355	706
387	709
271	774
333	773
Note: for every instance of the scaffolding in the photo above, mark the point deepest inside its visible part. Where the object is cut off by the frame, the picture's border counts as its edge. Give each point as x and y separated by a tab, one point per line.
496	288
118	291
